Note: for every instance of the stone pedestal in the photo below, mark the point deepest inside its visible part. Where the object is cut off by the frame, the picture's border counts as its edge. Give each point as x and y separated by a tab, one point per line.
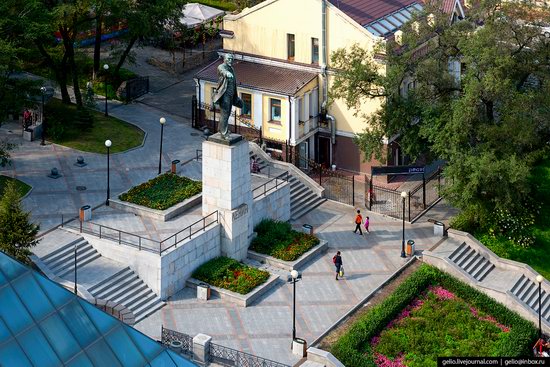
201	346
226	188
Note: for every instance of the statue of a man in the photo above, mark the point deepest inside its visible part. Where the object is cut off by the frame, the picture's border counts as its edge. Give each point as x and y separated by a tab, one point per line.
226	93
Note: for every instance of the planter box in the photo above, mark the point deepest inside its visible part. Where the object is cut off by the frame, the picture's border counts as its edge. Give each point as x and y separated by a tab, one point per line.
243	300
290	265
162	215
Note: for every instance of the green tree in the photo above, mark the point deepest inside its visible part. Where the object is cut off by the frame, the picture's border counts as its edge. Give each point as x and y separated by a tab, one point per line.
488	123
17	233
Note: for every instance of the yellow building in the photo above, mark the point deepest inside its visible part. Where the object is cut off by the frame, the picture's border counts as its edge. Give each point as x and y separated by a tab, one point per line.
282	50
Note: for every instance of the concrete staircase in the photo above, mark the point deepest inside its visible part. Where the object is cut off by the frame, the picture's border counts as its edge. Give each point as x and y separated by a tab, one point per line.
302	199
527	292
61	261
125	287
471	261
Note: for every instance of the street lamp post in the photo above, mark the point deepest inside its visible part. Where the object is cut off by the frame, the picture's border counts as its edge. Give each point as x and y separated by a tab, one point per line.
75	252
162	122
108	145
403	196
106	68
293	278
43	92
539	280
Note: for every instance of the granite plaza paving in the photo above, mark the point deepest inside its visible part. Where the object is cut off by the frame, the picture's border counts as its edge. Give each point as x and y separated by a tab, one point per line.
263	329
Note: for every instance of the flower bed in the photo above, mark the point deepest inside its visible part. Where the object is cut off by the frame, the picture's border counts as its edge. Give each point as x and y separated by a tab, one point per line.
162	192
432	314
230	274
279	240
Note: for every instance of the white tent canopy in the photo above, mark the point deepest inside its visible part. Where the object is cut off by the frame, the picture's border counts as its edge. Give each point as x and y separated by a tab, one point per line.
195	14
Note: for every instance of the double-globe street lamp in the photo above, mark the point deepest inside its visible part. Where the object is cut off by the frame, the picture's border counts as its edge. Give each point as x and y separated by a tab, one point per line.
539	280
108	144
43	93
162	122
403	197
293	278
106	68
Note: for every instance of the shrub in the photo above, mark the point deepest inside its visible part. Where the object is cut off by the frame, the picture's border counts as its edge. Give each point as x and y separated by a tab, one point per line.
163	191
278	239
230	274
353	348
516	226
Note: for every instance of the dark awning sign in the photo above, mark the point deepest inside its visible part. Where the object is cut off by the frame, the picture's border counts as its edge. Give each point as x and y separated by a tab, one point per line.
397	170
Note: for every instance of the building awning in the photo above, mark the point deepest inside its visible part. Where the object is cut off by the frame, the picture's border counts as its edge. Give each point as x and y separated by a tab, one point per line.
261	77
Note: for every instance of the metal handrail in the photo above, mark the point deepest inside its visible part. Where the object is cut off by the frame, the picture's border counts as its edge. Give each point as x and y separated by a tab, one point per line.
265	191
191	233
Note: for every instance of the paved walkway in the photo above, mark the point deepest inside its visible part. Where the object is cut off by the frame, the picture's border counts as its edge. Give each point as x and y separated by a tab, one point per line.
50	198
264	329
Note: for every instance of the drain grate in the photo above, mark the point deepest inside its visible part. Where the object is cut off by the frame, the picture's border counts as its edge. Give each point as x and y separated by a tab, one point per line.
194	134
80	188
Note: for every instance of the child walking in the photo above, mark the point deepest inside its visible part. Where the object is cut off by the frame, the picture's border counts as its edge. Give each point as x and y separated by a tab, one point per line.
367	224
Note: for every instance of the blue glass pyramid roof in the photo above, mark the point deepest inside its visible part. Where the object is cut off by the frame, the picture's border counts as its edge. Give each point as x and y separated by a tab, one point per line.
43	324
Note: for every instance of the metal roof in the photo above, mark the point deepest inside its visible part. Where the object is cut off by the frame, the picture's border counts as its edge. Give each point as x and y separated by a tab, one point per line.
43	324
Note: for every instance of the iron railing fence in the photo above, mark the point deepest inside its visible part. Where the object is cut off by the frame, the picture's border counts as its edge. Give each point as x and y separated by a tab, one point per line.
137	241
270	185
168	336
231	357
136	87
189	231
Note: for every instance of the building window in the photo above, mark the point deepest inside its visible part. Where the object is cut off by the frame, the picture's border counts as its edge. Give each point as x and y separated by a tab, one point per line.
247	103
290	46
275	108
315	50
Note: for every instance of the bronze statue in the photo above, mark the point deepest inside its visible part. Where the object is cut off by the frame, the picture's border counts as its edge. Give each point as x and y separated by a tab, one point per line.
226	94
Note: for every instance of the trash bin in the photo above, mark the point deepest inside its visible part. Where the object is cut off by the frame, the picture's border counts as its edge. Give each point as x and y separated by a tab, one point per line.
299	347
85	213
203	291
410	248
174	168
334	167
307	228
439	229
176	346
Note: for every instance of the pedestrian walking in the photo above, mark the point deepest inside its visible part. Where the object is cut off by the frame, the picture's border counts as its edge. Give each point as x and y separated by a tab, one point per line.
358	222
337	260
367	224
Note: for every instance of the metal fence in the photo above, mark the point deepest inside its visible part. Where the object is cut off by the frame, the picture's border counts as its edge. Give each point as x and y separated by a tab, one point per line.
168	336
136	87
136	241
390	202
216	353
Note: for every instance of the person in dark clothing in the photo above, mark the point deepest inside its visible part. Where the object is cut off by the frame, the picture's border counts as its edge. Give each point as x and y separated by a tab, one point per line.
337	260
358	222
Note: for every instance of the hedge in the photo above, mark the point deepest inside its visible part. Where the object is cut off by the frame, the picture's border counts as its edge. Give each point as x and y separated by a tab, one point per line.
353	348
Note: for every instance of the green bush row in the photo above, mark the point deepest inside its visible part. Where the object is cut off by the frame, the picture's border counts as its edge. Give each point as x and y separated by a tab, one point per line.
353	348
163	191
230	274
279	240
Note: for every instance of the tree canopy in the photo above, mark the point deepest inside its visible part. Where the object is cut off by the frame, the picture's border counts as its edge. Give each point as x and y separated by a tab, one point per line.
475	92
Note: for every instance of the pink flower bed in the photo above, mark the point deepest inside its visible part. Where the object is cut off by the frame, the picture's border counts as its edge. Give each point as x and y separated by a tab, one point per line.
441	294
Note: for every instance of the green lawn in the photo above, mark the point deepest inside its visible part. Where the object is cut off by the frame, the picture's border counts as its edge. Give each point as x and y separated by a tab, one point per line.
62	129
537	256
22	187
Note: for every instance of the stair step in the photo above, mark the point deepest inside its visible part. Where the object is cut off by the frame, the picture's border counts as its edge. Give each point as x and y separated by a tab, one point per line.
116	284
457	251
476	274
303	202
68	259
462	253
488	269
546	313
296	215
543	304
519	284
297	190
471	262
534	297
118	289
81	259
528	289
301	199
98	287
80	264
152	308
133	292
470	252
141	303
52	256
